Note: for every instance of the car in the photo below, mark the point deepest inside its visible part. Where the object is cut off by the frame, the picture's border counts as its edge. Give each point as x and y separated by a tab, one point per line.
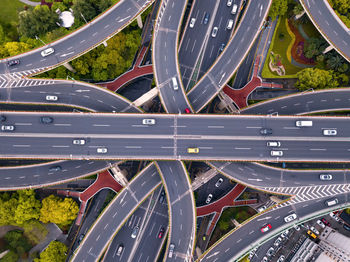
215	31
334	216
265	228
81	238
187	111
120	250
346	227
281	258
320	223
47	52
162	196
8	128
229	24
313	229
266	131
192	22
261	209
51	98
325	221
329	132
2	118
285	234
270	251
55	168
273	143
171	250
278	241
134	232
297	227
161	232
209	197
325	176
229	2
101	150
331	202
219	182
221	48
13	62
265	259
79	142
46	120
206	18
148	121
311	234
276	153
193	150
290	218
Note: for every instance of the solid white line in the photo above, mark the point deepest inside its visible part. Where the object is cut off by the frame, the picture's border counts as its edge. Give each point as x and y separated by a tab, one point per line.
133	146
23	124
100	125
62	124
60	146
216	126
21	145
253	127
242	148
318	149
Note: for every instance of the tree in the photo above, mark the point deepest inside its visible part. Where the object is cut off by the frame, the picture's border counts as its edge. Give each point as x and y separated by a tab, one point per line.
10	257
85	8
224	225
16	241
28	206
7	211
314	47
55	252
278	7
341	6
298	9
58	211
59	5
347	211
315	78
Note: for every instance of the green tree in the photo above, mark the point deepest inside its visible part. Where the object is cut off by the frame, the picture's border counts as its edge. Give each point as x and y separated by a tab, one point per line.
59	5
278	7
16	241
28	206
298	9
85	8
223	224
341	6
347	211
55	252
10	257
58	211
314	47
315	78
7	210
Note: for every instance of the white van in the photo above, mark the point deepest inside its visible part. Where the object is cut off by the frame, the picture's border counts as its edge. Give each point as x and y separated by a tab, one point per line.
331	202
47	52
174	81
276	153
229	24
303	123
234	9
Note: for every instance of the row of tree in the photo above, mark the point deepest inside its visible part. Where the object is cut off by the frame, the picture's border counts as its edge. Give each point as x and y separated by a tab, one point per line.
22	206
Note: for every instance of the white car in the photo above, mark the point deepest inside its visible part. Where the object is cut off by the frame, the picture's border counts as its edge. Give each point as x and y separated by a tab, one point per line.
210	196
334	216
215	31
329	132
296	227
47	52
171	250
101	150
79	142
192	22
326	177
320	223
261	209
313	229
7	128
148	121
51	98
218	183
290	218
229	2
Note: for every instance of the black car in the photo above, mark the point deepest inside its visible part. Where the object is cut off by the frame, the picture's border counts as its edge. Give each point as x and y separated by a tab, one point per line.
13	62
2	118
221	48
346	227
266	131
46	119
162	196
206	18
55	168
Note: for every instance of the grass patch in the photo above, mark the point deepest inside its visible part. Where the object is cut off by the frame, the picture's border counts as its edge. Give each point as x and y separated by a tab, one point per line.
8	11
279	45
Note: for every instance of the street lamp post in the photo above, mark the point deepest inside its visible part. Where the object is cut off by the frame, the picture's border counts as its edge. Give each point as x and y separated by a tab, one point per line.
38	38
83	18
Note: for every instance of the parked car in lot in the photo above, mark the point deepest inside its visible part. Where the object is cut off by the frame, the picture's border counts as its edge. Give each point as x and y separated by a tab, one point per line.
265	228
334	216
320	223
297	227
346	227
261	209
270	252
187	111
278	241
325	221
313	229
281	258
209	197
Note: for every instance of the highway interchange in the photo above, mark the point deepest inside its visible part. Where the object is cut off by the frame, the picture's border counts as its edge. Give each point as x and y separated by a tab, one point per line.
218	137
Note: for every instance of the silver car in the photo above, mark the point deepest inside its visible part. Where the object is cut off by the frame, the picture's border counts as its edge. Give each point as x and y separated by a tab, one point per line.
329	132
210	196
79	142
8	128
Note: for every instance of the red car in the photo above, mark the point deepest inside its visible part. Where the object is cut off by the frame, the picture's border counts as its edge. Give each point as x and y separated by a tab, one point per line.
161	232
187	111
265	228
325	222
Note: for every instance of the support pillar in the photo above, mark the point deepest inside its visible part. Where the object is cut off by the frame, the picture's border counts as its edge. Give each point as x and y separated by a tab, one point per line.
139	21
69	67
329	48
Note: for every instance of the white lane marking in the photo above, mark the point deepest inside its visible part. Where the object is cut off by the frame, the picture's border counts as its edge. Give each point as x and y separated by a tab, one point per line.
100	125
21	145
205	147
60	146
216	126
242	148
253	127
62	124
133	146
23	124
318	149
290	127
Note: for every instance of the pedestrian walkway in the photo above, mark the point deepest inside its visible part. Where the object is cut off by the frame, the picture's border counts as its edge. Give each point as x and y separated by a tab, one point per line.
137	71
240	96
104	180
229	200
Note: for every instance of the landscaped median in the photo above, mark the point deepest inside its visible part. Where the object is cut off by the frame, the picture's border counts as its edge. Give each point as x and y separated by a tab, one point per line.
342	9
